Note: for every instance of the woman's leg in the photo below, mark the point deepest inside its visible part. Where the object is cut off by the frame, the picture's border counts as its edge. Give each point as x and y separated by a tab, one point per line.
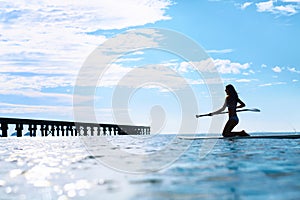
228	128
241	133
227	132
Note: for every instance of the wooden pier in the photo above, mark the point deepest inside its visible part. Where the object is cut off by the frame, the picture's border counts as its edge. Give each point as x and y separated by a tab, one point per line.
65	128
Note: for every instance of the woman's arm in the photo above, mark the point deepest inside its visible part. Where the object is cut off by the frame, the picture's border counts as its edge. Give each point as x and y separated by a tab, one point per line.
221	109
242	104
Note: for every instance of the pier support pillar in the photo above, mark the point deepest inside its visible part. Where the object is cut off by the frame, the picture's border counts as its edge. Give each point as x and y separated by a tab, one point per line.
19	128
32	130
4	128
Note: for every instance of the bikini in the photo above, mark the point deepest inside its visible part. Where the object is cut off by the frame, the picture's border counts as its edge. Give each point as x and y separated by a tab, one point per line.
231	105
235	118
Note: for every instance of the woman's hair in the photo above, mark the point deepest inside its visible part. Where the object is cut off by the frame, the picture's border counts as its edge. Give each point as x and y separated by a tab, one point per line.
231	91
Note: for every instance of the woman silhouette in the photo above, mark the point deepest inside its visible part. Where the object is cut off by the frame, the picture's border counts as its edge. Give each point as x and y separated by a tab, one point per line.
231	103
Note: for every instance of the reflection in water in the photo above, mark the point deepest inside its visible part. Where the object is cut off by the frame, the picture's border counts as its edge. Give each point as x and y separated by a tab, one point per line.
61	168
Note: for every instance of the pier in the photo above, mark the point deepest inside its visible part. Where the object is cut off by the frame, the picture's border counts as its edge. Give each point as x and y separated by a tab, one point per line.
46	128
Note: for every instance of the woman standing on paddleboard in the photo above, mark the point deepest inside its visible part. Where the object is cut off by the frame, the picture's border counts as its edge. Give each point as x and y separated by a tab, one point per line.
231	102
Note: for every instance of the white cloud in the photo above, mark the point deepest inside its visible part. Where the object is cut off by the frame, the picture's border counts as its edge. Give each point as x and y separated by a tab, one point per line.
150	76
138	53
8	108
245	5
44	43
228	67
36	88
291	1
128	60
272	84
287	9
55	33
294	70
184	67
17	82
277	69
263	65
283	7
207	65
174	75
251	71
266	6
91	15
43	69
222	51
243	80
104	115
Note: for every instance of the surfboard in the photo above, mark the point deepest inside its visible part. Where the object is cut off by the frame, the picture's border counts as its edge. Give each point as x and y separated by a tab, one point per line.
296	136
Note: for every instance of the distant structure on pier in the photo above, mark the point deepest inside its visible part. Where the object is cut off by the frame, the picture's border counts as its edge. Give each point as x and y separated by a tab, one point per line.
64	128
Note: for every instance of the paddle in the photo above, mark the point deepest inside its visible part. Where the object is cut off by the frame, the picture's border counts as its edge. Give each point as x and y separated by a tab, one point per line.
240	110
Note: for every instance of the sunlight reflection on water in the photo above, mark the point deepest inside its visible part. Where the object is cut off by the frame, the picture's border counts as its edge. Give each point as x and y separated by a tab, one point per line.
61	168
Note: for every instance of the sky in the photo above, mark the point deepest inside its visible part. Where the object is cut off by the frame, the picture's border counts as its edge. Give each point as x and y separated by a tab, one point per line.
46	46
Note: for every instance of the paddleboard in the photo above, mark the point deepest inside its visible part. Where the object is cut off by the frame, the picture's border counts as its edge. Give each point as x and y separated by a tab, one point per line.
296	136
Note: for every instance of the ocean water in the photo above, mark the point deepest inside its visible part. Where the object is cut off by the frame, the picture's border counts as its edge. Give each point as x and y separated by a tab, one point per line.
152	167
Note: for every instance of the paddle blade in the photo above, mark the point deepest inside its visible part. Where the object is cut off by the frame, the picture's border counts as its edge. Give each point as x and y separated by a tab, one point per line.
252	110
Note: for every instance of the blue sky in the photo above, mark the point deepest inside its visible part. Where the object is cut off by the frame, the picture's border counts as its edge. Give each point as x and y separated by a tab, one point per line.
253	44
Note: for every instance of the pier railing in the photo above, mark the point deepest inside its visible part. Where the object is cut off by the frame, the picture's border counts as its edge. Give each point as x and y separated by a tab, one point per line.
64	128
